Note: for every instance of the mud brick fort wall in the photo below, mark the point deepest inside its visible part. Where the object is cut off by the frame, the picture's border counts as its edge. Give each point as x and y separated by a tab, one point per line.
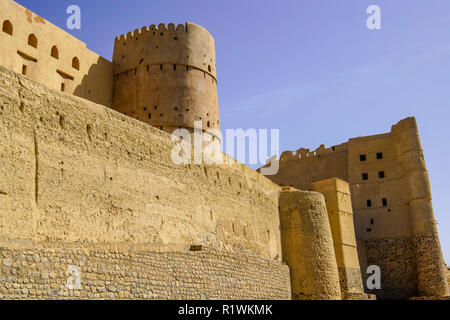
391	200
77	178
92	205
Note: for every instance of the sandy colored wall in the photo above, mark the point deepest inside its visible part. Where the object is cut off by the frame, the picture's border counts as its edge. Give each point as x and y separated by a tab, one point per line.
93	80
392	220
77	173
448	275
111	178
302	167
431	268
385	231
308	246
398	235
340	215
166	76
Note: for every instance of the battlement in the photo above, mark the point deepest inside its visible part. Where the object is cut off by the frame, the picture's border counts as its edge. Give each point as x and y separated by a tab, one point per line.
190	45
166	76
154	30
303	154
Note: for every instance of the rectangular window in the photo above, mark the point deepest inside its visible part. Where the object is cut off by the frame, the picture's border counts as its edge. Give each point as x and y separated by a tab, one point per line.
381	174
63	87
384	202
379	155
369	203
24	70
362	157
365	176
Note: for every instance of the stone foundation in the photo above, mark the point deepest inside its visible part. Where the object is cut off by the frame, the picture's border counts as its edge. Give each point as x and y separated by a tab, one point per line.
51	271
397	261
431	271
350	281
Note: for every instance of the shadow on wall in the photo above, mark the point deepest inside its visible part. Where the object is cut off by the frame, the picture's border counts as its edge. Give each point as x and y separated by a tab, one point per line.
97	83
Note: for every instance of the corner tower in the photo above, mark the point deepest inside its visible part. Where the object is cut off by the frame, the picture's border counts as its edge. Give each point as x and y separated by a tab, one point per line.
166	77
430	266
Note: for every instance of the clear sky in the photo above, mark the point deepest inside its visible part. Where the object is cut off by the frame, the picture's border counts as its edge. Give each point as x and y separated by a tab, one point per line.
309	68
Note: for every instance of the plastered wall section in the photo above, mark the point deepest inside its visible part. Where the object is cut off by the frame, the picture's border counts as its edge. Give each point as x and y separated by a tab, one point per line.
308	245
382	214
340	215
381	210
90	77
73	171
166	76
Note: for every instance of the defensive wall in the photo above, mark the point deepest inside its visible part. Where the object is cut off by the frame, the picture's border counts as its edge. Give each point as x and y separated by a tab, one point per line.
90	197
391	200
91	205
83	185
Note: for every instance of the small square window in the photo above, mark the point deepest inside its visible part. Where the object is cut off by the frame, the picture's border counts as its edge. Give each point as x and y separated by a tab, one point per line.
365	176
369	229
381	174
379	155
362	157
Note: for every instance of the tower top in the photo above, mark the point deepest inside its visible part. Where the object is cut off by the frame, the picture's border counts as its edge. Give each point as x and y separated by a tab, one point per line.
189	44
166	76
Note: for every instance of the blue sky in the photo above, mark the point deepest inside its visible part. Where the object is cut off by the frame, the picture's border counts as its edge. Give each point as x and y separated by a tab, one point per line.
309	68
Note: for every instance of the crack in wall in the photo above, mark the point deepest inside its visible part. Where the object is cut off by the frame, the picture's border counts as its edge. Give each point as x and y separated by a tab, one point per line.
36	168
36	212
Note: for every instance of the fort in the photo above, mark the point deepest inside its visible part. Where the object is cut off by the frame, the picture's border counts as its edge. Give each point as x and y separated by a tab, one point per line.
92	207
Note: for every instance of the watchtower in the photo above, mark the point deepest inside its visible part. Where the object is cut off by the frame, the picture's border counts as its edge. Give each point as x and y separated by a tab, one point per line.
166	76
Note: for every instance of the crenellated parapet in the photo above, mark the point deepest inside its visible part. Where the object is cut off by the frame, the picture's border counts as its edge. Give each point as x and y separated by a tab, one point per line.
307	154
189	45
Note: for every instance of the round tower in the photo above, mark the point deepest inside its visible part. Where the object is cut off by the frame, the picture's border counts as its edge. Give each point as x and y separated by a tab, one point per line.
166	77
